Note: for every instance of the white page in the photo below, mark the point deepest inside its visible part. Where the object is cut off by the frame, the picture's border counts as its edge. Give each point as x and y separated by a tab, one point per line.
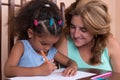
56	75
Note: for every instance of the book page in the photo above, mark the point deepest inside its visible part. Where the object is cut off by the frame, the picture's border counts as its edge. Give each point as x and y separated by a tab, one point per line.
56	75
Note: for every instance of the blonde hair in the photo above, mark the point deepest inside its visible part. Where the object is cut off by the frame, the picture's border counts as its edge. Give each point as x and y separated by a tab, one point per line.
94	14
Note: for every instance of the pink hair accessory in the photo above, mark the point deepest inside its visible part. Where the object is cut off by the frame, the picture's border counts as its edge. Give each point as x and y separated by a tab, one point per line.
60	22
36	22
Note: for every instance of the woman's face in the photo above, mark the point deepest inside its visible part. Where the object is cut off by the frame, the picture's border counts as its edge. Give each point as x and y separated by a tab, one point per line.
80	35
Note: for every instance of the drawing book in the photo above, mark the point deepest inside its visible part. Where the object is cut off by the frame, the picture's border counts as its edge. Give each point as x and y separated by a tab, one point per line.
56	75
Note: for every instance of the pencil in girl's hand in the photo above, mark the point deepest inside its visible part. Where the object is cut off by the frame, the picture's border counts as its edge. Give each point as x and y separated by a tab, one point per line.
43	54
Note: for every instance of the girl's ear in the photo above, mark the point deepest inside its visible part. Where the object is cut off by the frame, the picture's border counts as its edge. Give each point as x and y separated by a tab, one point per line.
30	33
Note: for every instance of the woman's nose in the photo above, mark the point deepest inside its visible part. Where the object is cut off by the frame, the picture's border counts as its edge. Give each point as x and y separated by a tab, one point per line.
77	33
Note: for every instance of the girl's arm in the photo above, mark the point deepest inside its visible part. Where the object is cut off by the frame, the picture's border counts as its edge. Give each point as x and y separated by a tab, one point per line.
12	68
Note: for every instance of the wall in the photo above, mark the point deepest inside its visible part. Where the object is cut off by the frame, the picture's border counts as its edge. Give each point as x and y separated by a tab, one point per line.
67	3
112	11
113	6
117	27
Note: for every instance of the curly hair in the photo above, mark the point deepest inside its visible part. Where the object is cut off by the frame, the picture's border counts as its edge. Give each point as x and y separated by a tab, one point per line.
43	12
94	14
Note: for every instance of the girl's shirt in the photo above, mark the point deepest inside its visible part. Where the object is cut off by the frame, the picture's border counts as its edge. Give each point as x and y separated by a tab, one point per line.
32	59
74	54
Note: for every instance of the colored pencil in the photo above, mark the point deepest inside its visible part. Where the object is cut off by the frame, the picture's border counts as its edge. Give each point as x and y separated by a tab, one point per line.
101	75
44	56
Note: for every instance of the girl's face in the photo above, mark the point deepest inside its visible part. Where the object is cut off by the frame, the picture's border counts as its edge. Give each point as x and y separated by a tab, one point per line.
80	35
42	42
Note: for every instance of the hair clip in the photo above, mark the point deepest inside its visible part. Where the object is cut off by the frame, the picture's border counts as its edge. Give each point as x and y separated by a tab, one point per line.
36	22
60	22
47	5
51	22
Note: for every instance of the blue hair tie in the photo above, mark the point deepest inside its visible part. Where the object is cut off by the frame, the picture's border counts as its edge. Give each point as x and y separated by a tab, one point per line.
51	22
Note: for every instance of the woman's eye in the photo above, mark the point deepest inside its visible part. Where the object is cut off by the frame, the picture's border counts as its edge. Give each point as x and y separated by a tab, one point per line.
83	29
72	26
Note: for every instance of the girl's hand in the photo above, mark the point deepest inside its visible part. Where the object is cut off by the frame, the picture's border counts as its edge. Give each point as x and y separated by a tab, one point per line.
69	71
48	68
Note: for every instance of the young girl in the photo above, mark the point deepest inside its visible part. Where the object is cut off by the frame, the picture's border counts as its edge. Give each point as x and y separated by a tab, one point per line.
38	26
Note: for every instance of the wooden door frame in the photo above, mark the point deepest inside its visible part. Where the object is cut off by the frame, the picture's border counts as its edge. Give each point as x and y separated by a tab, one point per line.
11	8
0	40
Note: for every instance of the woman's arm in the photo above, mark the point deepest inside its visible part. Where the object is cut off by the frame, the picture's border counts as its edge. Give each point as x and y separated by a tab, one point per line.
114	53
64	60
61	45
70	64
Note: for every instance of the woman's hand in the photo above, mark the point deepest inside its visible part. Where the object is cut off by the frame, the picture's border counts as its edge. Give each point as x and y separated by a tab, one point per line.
70	71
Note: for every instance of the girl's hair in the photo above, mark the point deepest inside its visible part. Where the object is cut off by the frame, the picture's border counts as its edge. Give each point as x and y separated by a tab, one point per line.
42	16
94	14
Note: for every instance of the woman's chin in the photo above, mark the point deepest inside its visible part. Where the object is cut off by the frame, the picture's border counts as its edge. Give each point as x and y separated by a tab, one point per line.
78	44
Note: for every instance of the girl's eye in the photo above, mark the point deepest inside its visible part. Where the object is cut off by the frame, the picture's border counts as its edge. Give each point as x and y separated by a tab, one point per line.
44	44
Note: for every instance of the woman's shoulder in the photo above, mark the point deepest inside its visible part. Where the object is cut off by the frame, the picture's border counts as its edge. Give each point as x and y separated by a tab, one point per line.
113	41
113	45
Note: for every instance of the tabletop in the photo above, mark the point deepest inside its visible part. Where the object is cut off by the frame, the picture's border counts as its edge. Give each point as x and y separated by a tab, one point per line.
114	75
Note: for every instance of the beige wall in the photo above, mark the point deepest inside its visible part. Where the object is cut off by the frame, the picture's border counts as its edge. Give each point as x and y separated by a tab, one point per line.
117	27
113	6
67	2
112	12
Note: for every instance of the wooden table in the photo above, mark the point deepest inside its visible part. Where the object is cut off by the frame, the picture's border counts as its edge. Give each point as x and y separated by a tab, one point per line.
114	76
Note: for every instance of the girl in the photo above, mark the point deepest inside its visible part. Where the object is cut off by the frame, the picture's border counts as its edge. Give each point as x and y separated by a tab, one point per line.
38	26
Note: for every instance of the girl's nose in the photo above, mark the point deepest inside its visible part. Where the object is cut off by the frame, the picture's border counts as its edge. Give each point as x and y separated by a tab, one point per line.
46	48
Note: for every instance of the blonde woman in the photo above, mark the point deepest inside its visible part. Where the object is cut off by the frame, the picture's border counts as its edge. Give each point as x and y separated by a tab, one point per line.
88	39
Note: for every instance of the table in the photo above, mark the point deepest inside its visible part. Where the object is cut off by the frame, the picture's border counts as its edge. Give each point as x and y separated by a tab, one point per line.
114	76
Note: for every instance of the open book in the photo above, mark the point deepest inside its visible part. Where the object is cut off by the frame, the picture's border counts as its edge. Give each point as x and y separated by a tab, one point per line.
56	75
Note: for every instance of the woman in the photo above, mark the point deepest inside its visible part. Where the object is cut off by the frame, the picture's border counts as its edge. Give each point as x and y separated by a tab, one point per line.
88	39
